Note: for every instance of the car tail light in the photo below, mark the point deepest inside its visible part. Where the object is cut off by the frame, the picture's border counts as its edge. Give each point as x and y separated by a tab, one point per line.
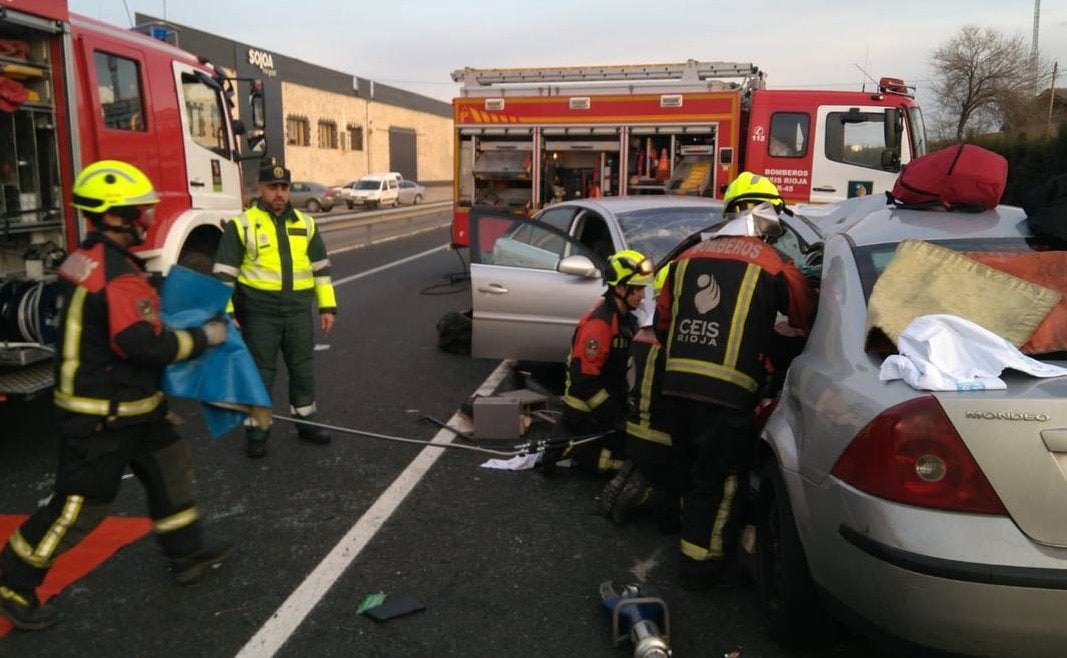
912	454
329	194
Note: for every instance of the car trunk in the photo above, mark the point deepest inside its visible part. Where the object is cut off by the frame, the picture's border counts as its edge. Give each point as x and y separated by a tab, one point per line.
1019	439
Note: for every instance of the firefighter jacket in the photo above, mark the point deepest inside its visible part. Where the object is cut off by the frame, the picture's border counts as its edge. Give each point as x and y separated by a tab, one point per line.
647	419
716	315
278	262
112	346
596	366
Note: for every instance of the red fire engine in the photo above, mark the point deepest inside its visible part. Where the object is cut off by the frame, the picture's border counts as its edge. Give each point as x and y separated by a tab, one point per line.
527	137
74	90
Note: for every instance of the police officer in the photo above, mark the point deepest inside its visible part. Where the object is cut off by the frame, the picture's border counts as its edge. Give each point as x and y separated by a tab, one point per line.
110	412
595	392
276	260
716	317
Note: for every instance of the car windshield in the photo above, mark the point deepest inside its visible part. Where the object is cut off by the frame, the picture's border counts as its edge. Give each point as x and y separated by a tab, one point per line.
655	231
368	185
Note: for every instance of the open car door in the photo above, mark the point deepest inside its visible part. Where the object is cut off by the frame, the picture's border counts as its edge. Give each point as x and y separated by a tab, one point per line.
530	284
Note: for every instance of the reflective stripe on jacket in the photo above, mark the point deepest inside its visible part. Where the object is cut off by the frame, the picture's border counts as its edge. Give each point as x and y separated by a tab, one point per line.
596	365
253	254
716	315
648	410
112	346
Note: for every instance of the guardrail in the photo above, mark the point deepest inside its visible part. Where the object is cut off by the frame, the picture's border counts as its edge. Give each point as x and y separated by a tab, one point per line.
378	216
379	226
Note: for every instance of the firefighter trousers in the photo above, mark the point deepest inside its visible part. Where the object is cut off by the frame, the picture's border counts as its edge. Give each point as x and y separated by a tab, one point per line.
712	447
88	478
266	333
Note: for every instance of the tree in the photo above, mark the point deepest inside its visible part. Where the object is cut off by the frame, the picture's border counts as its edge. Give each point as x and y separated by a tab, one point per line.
979	77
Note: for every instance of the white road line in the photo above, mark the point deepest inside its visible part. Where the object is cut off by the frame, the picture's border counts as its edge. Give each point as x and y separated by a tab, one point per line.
287	618
399	236
382	268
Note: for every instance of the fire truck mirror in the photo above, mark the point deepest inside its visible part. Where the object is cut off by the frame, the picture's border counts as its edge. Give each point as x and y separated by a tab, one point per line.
255	101
854	116
257	145
894	126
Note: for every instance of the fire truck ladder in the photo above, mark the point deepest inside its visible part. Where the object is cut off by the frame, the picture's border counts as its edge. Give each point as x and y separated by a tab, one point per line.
692	72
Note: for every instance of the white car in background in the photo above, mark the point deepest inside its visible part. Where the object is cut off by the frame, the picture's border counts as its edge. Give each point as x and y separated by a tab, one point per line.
373	191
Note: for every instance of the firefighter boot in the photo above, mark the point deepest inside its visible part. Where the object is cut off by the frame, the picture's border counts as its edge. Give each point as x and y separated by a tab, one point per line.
633	499
24	611
613	488
311	433
256	442
194	566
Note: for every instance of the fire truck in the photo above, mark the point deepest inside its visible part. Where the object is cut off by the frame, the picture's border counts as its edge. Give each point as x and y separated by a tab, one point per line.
528	137
74	90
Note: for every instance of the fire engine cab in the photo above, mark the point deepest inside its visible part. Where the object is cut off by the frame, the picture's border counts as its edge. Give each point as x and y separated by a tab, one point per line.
528	137
74	90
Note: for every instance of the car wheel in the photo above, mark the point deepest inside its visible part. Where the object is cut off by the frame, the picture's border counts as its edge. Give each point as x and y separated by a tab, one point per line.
418	200
789	599
350	204
313	206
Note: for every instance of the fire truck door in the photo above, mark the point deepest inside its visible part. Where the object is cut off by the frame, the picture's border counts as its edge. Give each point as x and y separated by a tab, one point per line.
213	177
850	154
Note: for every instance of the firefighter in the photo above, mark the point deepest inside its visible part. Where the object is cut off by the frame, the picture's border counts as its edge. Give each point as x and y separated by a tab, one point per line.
648	481
274	257
716	317
110	412
595	391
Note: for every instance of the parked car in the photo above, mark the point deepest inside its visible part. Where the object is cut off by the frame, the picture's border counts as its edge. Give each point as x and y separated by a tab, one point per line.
933	516
532	279
411	193
374	191
312	197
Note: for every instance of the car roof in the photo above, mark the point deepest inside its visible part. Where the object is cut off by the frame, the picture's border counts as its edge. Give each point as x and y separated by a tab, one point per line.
870	220
615	205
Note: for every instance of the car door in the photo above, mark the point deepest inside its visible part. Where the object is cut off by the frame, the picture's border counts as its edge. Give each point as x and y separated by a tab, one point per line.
523	306
407	192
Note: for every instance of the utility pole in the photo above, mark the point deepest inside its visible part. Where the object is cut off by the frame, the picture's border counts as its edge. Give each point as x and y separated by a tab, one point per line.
1052	96
1033	44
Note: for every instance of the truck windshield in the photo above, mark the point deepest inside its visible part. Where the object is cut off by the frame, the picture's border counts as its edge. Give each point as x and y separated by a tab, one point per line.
369	185
655	231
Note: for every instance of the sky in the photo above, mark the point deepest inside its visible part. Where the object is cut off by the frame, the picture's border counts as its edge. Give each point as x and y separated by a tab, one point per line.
416	44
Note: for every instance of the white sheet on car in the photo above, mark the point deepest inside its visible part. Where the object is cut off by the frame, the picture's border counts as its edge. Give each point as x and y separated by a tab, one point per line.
948	353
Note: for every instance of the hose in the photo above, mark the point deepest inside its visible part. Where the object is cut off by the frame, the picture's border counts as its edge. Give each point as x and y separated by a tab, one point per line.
518	450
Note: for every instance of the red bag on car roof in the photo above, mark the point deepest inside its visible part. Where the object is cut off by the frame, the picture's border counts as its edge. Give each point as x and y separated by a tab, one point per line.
964	177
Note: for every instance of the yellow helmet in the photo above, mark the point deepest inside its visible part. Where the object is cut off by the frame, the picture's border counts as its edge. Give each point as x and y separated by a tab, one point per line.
750	188
629	267
108	184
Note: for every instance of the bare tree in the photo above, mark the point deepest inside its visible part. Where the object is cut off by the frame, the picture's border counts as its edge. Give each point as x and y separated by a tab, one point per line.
979	76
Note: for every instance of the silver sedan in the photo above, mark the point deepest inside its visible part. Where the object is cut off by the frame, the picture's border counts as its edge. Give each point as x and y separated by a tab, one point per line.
411	193
937	517
532	279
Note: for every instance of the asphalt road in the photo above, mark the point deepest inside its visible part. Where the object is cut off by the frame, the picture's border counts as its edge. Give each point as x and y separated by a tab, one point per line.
507	564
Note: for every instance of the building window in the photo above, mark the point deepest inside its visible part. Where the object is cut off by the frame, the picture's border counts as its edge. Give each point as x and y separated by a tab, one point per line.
355	137
118	81
298	131
327	134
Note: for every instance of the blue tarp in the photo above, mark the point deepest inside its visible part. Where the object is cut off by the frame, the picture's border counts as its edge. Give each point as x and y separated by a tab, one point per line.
223	375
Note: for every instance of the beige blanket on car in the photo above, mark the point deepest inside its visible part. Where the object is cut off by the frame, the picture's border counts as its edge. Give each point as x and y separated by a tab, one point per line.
924	279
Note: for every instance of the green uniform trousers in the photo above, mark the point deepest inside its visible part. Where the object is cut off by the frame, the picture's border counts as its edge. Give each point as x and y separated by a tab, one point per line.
290	330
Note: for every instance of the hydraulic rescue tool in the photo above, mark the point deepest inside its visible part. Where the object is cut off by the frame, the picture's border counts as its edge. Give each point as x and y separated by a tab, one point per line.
639	616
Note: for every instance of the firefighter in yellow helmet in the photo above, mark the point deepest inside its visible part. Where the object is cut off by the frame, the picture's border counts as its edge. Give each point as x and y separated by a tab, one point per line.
648	480
274	258
595	394
716	318
110	413
749	190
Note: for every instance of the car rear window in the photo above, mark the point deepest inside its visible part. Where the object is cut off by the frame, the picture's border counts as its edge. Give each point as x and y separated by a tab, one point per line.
655	231
873	259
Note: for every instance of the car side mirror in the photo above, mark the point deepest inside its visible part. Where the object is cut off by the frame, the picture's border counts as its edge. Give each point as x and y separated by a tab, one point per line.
579	265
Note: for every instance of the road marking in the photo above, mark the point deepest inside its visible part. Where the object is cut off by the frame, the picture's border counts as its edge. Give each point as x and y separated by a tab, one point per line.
382	268
287	618
398	236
